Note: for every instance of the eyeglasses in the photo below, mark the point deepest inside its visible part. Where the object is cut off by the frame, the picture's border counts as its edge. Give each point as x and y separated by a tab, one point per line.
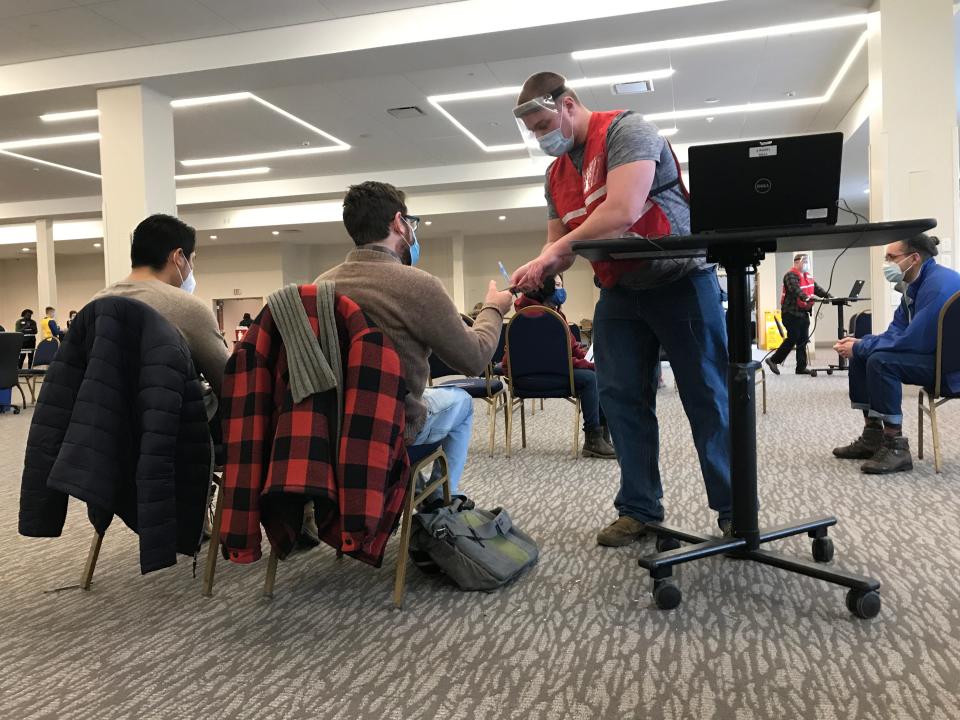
413	220
891	258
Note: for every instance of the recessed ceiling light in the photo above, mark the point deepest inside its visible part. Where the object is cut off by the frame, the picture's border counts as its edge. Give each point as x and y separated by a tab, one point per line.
716	38
710	118
48	141
223	173
24	249
96	245
213	237
669	132
791	93
711	100
428	222
438	100
275	232
867	191
71	115
502	217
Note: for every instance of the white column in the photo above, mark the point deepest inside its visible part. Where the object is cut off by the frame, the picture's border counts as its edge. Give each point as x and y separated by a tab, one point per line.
914	166
768	295
137	164
459	282
46	266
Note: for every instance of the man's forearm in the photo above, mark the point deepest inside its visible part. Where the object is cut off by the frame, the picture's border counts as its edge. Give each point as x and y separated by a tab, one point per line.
607	221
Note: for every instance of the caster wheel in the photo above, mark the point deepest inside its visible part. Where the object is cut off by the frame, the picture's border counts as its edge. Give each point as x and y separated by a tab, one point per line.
823	549
813	373
667	543
666	595
864	605
829	372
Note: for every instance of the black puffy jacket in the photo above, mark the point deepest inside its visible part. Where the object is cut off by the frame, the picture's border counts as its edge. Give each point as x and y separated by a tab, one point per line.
120	424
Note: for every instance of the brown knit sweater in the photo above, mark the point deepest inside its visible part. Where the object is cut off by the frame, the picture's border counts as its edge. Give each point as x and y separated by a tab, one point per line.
413	309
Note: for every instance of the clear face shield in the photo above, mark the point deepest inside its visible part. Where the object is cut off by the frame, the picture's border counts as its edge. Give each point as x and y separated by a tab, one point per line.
542	127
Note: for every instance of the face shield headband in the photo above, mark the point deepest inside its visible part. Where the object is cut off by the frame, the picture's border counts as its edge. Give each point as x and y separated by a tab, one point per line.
551	102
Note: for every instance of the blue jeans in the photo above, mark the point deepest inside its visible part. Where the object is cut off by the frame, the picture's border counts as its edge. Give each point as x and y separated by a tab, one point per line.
629	327
450	421
585	381
876	382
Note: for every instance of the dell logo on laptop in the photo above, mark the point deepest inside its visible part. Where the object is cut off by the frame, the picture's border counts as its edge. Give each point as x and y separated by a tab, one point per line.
762	186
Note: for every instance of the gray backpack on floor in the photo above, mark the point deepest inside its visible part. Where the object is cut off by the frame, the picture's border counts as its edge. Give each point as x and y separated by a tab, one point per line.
477	549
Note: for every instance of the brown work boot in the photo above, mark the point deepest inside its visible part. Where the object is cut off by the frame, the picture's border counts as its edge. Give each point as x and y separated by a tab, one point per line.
595	446
621	532
893	456
864	447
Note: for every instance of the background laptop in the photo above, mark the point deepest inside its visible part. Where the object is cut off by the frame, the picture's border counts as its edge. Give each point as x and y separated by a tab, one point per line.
857	288
765	183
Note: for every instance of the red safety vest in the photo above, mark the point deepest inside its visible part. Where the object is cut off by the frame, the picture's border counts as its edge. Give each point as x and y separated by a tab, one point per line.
575	195
807	286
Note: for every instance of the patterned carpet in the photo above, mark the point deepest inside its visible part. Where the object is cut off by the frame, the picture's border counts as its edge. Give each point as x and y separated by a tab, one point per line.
577	637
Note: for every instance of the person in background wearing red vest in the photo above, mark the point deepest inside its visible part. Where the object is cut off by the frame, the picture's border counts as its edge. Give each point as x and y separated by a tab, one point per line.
616	175
800	292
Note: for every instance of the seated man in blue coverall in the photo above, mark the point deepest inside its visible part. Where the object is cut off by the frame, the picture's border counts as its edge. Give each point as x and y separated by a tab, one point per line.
905	353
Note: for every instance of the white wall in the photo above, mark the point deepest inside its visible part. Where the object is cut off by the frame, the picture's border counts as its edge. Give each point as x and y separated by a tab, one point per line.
78	278
18	290
238	271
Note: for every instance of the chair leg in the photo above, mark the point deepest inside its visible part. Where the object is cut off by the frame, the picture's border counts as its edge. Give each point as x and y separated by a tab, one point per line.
934	426
271	574
920	425
576	429
523	427
399	583
508	421
492	411
211	565
23	397
763	389
87	577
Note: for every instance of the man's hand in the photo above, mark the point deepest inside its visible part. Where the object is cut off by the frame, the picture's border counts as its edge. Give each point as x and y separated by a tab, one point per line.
503	299
554	259
844	347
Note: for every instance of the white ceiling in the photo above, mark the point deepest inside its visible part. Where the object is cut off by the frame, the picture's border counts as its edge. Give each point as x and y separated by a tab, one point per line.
41	29
348	95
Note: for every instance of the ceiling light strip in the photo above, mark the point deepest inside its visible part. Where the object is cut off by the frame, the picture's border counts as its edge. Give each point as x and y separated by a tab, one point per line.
228	159
223	173
766	106
210	99
58	166
48	141
438	100
299	121
71	115
727	37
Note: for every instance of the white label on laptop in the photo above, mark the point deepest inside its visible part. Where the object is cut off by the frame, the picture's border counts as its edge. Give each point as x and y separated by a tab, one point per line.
817	213
763	151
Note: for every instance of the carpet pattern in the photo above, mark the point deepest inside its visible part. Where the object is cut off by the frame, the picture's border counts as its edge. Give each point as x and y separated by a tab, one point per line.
577	637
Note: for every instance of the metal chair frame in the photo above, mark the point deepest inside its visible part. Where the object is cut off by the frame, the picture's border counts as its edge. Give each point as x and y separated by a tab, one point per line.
935	399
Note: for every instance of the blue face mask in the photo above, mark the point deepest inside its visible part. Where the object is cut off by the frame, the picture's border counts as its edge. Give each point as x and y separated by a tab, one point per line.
559	297
414	248
554	143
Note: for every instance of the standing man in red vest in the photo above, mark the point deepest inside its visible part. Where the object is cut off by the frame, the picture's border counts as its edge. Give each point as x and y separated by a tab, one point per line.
800	292
616	175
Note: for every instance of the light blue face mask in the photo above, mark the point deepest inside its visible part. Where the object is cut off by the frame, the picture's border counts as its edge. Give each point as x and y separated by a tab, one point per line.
414	247
554	143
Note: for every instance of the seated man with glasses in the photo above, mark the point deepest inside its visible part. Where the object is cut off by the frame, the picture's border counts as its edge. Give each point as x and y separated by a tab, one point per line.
905	353
413	309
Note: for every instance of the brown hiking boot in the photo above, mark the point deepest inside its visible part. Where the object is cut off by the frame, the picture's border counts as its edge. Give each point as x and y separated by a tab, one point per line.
621	532
595	446
864	447
893	456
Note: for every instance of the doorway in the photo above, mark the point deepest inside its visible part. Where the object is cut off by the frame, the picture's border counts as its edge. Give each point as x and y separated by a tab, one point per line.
230	312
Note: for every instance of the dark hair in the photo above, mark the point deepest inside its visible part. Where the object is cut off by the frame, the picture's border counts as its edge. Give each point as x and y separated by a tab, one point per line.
924	244
156	237
544	291
246	316
369	208
48	310
546	83
28	310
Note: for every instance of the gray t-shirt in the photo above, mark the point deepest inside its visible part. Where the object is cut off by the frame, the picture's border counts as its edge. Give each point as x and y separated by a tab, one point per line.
630	138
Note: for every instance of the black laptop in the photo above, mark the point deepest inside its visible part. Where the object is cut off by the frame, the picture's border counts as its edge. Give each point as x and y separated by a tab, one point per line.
765	183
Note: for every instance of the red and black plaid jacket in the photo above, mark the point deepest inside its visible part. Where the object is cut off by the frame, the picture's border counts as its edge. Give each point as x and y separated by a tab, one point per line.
278	453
